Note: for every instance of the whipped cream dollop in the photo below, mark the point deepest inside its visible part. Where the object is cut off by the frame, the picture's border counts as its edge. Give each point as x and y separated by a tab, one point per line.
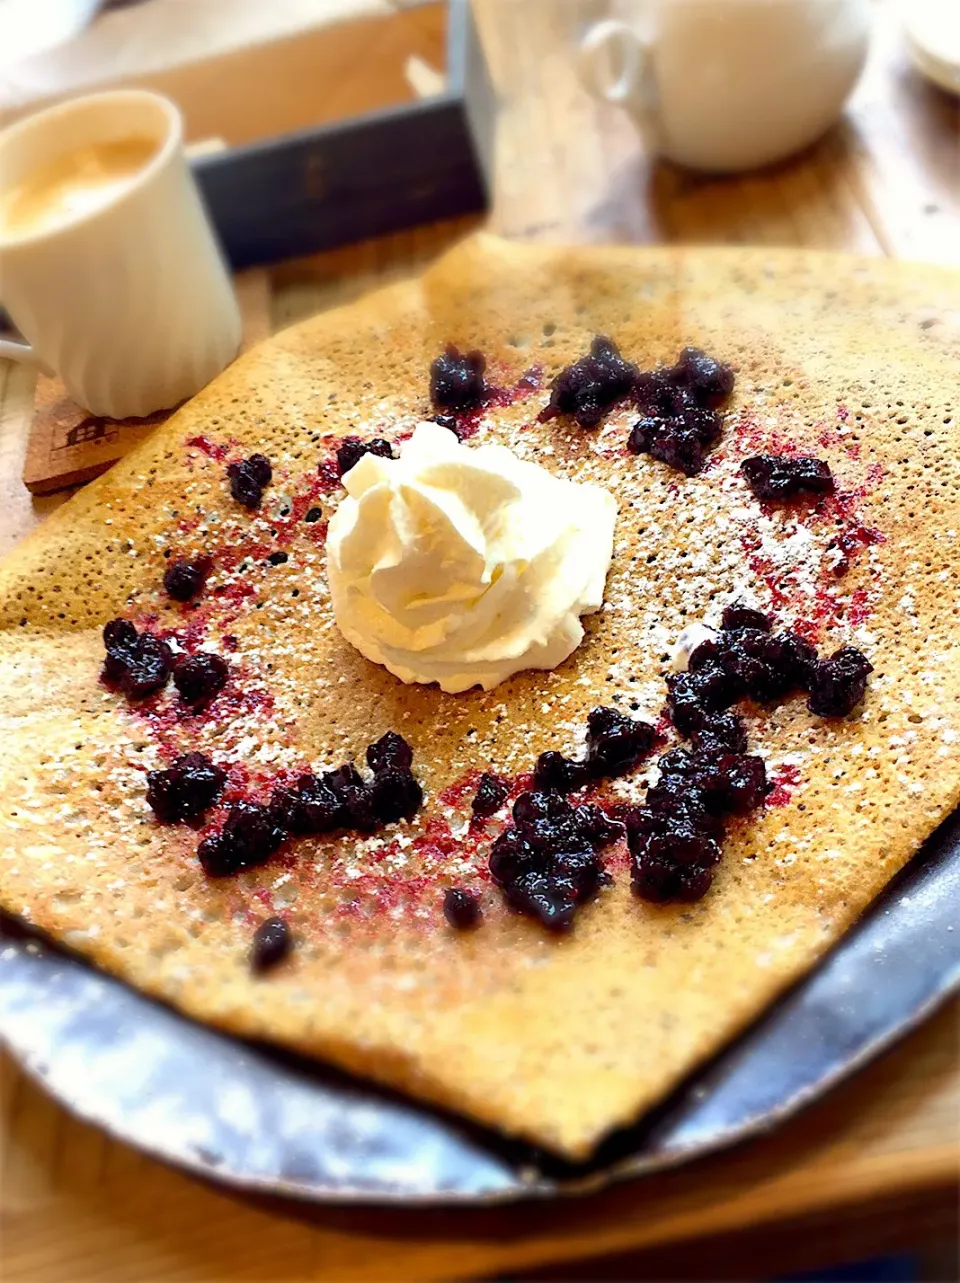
462	565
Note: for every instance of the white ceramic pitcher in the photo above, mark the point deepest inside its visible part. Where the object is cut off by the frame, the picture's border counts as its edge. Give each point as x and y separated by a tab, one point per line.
725	85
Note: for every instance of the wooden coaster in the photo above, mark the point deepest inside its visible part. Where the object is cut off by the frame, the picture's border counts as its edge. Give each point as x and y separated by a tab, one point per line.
68	446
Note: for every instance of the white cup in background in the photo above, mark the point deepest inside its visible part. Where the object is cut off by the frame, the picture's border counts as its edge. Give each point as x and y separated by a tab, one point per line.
726	85
121	291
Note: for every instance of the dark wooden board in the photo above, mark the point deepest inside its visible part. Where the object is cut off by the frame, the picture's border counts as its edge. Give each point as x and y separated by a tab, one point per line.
353	179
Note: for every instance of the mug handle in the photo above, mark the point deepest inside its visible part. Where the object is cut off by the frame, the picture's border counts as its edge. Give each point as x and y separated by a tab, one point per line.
612	44
17	350
22	352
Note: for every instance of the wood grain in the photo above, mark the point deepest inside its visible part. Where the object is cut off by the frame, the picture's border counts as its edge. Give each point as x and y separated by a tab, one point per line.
875	1164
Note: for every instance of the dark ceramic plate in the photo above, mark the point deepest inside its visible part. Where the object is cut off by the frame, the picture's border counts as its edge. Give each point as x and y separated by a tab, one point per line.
261	1121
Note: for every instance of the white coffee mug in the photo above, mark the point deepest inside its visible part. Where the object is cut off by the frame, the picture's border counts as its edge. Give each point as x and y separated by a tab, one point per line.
725	85
130	303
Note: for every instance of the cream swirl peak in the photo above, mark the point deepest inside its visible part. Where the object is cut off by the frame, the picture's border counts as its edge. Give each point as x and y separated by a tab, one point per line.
463	565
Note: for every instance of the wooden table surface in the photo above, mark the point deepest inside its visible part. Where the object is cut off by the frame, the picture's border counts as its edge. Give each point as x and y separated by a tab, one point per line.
875	1165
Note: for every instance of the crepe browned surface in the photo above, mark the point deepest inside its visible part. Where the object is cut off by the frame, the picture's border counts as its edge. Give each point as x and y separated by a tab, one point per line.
555	1039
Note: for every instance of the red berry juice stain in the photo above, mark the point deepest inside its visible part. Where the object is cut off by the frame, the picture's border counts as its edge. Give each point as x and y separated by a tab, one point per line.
860	608
263	896
470	422
529	382
185	527
227	604
306	495
244	550
830	439
852	536
207	617
750	437
174	726
809	629
521	783
373	896
463	786
190	634
239	698
327	478
437	842
849	543
617	858
663	727
216	450
784	783
247	904
381	891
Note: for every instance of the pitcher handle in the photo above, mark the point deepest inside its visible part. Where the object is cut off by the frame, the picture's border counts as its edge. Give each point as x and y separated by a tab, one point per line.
612	61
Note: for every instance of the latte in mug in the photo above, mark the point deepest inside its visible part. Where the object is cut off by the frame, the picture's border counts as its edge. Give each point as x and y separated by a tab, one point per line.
109	267
73	185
